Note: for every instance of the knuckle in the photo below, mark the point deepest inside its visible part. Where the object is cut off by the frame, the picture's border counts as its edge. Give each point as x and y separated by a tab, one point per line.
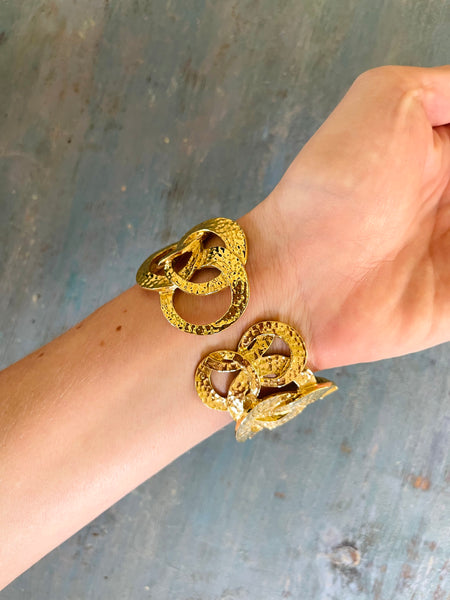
388	73
398	80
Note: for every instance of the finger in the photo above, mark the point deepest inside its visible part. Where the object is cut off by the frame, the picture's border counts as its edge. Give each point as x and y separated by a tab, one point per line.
441	156
436	98
387	114
430	85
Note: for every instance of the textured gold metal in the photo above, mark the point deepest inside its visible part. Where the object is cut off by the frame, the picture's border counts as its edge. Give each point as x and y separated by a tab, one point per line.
157	272
255	370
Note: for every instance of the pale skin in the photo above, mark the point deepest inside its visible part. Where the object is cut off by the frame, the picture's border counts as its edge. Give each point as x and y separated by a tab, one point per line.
351	248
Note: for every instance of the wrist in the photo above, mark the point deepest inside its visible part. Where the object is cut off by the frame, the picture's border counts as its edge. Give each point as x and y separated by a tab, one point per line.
273	270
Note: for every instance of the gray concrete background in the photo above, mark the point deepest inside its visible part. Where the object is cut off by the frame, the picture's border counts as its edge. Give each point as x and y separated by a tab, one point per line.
121	124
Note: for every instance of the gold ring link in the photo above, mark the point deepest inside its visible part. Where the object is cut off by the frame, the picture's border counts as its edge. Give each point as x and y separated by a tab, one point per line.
206	259
159	273
256	370
229	232
148	276
223	361
233	270
293	340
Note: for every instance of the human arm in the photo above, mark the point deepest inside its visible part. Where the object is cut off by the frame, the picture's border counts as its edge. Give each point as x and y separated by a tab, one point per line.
330	252
94	413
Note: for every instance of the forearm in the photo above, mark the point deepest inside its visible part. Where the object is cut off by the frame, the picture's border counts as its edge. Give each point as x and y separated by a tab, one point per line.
96	412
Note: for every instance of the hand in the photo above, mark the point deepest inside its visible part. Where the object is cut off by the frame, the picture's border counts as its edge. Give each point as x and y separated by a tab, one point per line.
359	226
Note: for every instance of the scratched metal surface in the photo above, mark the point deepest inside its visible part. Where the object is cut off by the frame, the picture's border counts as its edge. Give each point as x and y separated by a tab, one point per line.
123	122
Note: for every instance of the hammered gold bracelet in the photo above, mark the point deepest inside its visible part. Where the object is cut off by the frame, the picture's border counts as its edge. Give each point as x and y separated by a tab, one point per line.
257	370
158	272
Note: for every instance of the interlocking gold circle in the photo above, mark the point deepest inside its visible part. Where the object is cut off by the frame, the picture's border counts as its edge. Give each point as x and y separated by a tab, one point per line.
224	361
256	369
157	272
293	340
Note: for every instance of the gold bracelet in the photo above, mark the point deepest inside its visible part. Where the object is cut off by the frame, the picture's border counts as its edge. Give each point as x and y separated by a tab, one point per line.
256	370
158	272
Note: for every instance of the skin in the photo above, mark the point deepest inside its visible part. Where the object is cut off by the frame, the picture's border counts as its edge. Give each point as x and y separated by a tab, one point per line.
361	222
351	248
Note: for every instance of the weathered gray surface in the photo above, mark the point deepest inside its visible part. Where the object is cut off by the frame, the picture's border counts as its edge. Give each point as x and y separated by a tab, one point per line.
123	122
